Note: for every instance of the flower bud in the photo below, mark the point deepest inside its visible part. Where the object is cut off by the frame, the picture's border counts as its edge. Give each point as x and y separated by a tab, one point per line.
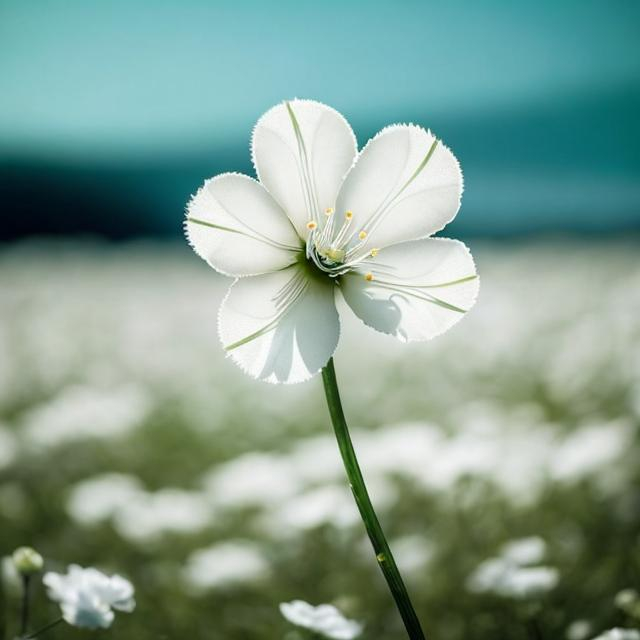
27	560
629	601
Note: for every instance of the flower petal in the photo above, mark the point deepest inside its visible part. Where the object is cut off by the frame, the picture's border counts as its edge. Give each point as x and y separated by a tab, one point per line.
87	612
281	326
404	185
301	151
237	227
413	290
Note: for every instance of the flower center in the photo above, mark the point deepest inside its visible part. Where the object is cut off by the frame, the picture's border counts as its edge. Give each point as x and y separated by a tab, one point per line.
332	245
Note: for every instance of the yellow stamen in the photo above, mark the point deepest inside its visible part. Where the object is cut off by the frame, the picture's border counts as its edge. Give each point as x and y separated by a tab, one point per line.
311	225
348	215
368	277
374	252
362	235
328	211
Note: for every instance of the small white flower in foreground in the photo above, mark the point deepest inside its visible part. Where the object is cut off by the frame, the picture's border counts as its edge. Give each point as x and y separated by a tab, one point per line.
87	597
324	218
324	619
619	634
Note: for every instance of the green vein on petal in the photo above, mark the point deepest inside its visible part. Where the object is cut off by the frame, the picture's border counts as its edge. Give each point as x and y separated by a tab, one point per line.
253	336
405	290
449	284
308	185
421	166
298	292
446	305
204	223
383	209
296	126
258	238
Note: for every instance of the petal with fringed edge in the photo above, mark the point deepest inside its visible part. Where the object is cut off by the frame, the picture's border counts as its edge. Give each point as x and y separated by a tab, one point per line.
302	150
238	228
413	290
404	185
281	326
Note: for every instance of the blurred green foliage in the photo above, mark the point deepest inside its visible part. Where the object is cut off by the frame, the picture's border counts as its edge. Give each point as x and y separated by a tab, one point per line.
121	342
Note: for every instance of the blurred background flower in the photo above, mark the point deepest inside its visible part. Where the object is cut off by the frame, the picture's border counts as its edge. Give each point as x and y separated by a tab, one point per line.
128	442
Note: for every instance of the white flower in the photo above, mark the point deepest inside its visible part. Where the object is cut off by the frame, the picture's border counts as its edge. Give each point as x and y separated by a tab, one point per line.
252	479
578	630
619	634
525	582
80	412
324	218
502	577
629	601
525	550
147	516
324	619
224	564
87	596
98	498
507	575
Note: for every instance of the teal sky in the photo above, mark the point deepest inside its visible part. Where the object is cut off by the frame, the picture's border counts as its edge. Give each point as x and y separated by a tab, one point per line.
131	79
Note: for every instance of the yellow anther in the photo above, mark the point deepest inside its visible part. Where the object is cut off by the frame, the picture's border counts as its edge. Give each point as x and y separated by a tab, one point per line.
311	225
348	215
368	277
328	211
374	252
362	235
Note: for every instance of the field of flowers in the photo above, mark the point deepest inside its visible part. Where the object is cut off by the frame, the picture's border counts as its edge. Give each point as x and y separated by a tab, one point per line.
502	457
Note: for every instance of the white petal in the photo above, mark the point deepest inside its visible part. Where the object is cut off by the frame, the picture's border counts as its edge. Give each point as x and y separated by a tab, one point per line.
282	326
57	584
419	288
298	612
117	592
324	619
301	151
87	612
237	227
404	185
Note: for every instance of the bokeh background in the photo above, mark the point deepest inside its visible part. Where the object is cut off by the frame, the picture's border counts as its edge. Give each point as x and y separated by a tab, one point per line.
127	442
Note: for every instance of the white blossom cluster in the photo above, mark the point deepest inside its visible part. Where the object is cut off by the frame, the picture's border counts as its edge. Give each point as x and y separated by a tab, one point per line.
515	572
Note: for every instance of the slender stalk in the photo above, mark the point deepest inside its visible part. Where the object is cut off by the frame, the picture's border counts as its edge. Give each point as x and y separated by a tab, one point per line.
46	627
383	553
3	611
533	626
24	611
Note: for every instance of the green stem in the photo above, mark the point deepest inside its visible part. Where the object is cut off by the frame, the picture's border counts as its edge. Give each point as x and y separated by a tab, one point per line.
535	632
24	612
374	530
46	627
3	611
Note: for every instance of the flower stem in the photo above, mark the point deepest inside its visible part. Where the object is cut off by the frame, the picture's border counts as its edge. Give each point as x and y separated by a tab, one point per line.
3	611
46	627
24	611
374	530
